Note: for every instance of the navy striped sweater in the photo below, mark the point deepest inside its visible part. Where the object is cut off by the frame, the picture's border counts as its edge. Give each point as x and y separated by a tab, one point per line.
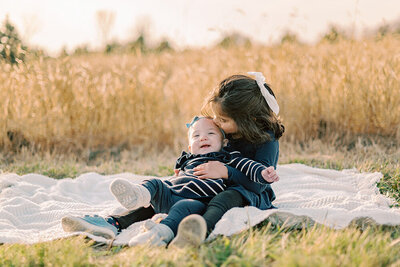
186	184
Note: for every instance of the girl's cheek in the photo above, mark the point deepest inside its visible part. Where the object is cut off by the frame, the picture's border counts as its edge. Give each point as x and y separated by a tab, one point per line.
222	126
227	130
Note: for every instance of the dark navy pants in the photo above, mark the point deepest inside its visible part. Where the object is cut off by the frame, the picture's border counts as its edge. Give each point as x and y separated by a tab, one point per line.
164	200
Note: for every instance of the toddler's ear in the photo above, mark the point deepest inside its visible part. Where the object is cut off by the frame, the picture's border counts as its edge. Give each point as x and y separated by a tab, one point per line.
190	148
224	142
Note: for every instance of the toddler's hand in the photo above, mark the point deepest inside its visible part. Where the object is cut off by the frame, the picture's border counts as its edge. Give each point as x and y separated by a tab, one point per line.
176	171
211	170
269	174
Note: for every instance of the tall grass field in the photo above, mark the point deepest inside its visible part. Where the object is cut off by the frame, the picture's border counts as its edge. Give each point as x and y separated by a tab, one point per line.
92	101
112	113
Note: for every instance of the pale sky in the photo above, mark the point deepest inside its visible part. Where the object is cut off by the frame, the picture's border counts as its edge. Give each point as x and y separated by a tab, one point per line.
52	24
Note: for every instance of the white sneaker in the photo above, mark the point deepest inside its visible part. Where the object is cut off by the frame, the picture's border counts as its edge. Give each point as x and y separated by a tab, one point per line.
192	231
159	235
130	196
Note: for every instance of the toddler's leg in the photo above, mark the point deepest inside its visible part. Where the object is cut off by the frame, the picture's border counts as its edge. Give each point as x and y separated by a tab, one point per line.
220	204
188	228
180	210
191	232
162	196
161	234
131	196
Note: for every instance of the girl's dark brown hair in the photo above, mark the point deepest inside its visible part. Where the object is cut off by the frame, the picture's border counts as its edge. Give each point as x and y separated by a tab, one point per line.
240	98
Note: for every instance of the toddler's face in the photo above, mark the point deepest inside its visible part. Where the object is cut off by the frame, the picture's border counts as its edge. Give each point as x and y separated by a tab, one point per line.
205	137
225	123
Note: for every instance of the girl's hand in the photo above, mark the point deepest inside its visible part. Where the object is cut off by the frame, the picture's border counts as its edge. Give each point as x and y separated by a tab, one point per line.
211	170
269	174
176	171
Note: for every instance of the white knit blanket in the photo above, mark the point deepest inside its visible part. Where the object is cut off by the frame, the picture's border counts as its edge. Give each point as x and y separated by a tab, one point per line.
32	205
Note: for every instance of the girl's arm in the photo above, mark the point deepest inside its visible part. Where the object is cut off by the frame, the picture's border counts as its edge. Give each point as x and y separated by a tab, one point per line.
267	154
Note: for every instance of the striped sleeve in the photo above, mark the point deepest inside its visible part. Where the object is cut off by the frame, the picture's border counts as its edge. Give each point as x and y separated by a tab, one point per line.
248	167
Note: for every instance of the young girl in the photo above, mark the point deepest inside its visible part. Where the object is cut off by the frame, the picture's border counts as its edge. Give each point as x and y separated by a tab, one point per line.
246	109
178	196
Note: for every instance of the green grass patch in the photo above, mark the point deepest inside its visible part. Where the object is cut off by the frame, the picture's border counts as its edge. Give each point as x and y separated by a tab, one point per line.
262	245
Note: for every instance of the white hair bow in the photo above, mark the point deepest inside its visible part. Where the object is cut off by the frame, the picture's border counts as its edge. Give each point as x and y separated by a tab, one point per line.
271	101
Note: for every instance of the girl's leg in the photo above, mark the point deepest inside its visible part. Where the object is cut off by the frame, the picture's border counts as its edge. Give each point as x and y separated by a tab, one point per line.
94	225
108	227
220	204
130	217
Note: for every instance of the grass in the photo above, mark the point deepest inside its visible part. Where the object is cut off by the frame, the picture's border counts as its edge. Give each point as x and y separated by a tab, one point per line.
263	245
92	102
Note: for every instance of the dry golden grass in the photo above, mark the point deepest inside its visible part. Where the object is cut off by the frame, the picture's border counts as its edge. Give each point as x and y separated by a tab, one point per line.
95	101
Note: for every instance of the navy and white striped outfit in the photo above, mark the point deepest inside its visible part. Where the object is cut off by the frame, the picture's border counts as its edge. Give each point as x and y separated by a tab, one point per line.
186	194
186	184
